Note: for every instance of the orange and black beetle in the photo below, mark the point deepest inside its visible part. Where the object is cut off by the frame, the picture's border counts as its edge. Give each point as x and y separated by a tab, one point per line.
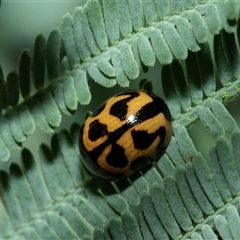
124	134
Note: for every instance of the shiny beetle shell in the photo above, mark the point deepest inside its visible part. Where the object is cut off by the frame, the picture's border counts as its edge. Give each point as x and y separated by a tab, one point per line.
124	134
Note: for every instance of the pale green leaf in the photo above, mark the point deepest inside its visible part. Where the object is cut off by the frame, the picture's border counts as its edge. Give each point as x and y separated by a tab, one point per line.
81	43
45	231
188	198
6	135
173	152
198	25
219	177
233	221
145	228
70	93
163	211
145	50
130	226
152	176
16	128
121	77
130	193
222	227
59	98
150	11
96	23
25	195
111	22
68	38
35	178
98	77
212	18
53	115
176	204
160	46
60	226
78	224
116	229
26	120
136	13
151	217
81	87
197	190
208	233
210	122
177	6
52	54
105	66
206	180
166	166
185	30
174	40
163	8
128	61
223	116
185	147
123	16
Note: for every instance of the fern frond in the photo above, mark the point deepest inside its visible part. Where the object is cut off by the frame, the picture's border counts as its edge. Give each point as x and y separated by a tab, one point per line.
192	89
53	197
192	197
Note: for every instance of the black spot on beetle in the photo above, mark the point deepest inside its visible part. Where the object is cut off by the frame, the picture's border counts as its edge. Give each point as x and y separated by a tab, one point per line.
116	158
142	139
162	134
162	105
96	130
119	109
149	110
